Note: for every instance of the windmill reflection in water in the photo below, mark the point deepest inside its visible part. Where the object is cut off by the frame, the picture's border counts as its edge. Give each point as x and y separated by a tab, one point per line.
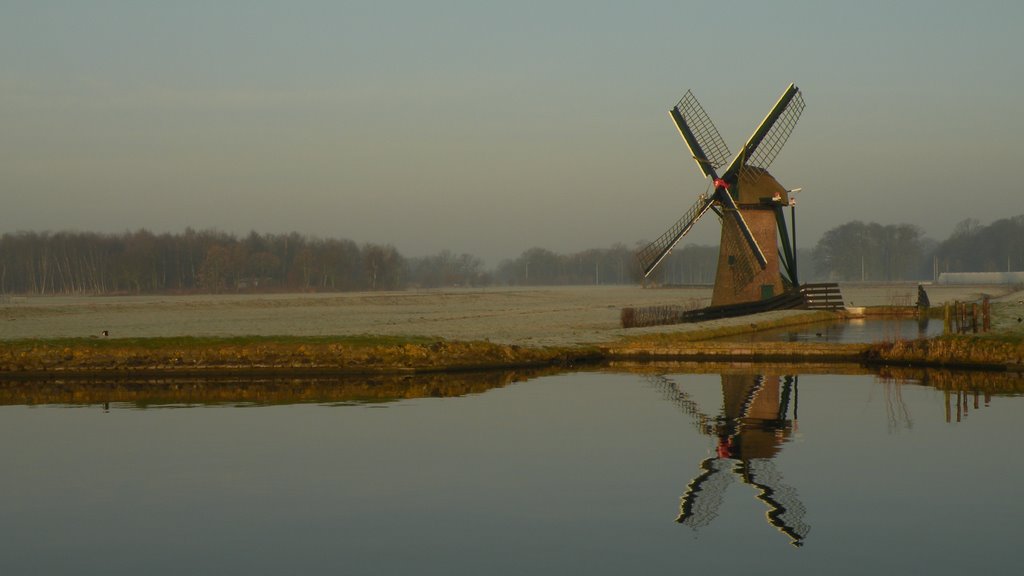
753	426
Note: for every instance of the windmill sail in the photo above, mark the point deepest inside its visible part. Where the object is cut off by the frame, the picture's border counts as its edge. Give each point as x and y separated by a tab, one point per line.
655	252
767	140
706	144
744	229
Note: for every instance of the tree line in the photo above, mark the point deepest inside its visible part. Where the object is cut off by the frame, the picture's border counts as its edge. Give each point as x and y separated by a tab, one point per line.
689	264
205	261
140	262
873	252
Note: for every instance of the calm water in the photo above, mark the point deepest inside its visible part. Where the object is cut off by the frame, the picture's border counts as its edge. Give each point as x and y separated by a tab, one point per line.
586	473
857	330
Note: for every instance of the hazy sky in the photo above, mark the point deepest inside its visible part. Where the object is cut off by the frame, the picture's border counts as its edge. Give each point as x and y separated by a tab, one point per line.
493	127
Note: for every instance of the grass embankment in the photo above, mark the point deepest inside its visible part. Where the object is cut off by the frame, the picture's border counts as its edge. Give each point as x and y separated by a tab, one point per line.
994	351
1002	348
296	355
308	356
997	350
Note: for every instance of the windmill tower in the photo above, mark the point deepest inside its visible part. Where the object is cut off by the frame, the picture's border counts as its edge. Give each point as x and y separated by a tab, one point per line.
748	200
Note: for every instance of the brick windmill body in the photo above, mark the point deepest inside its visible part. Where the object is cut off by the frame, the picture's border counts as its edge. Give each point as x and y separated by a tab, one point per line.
733	283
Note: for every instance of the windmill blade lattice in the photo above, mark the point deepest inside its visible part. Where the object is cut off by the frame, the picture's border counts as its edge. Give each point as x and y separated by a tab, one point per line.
652	254
710	146
762	152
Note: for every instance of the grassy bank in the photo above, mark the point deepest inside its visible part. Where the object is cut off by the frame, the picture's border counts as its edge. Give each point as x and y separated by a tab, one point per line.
993	351
299	355
371	354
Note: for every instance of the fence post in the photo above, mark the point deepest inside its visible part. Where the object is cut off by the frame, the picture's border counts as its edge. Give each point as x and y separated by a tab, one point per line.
986	314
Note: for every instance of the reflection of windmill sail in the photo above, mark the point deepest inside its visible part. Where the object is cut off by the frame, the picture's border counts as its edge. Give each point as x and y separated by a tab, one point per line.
704	494
789	389
785	511
704	423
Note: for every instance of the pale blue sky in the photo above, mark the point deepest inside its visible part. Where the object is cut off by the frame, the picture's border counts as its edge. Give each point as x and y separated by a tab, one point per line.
493	127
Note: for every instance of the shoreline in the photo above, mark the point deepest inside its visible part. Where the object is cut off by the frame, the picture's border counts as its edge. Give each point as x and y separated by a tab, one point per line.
265	357
469	330
161	389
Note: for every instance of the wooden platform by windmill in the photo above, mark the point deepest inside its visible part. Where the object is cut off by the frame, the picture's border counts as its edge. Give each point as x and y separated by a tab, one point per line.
757	266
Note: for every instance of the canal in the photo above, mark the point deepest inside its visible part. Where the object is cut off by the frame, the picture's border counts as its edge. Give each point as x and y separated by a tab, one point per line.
767	469
848	331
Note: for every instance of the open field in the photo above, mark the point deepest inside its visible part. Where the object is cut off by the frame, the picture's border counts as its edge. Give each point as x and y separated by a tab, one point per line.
532	316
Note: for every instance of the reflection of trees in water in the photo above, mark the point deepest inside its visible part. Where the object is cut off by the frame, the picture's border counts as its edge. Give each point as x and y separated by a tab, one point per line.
962	390
961	403
992	382
750	430
895	408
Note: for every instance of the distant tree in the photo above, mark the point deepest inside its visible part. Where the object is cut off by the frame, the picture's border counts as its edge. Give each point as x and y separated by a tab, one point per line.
539	266
975	248
262	267
383	266
137	266
445	269
216	274
966	227
859	251
341	265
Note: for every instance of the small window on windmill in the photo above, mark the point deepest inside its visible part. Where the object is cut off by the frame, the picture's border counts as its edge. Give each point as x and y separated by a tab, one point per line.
732	259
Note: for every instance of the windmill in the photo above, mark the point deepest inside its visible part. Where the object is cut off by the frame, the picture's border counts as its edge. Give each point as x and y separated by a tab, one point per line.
747	199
